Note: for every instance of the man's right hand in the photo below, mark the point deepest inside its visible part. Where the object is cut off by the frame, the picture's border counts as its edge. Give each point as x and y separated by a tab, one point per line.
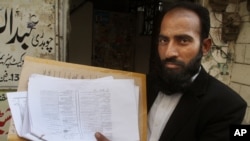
100	137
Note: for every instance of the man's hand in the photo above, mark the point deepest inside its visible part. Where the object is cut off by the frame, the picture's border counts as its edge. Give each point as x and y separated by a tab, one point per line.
100	137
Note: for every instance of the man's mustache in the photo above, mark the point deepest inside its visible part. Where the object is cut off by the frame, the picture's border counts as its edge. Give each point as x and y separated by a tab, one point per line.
173	61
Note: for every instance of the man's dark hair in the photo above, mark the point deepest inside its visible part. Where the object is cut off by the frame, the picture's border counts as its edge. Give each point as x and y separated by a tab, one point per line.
201	11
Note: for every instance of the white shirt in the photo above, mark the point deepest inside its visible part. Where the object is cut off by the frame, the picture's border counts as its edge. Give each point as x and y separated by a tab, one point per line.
159	114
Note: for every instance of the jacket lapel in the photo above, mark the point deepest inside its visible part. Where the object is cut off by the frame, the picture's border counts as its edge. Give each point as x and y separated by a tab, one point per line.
186	107
180	117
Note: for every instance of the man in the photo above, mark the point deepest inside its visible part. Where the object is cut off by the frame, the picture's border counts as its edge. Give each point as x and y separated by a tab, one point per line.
186	103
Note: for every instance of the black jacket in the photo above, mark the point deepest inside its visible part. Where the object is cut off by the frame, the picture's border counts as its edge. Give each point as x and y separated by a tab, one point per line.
204	113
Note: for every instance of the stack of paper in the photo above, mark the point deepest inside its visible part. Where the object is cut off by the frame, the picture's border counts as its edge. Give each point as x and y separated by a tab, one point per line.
60	109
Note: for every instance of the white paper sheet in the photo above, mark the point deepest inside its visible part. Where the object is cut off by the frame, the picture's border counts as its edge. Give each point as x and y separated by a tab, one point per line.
18	105
75	110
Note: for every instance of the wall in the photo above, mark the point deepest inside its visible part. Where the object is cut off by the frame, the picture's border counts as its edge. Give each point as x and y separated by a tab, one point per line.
240	80
233	70
142	54
80	39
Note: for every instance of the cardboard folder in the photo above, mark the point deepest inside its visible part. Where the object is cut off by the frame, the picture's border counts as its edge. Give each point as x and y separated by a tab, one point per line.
76	71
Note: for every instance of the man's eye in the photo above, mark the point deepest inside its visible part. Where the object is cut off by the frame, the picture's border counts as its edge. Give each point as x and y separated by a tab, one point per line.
162	41
184	40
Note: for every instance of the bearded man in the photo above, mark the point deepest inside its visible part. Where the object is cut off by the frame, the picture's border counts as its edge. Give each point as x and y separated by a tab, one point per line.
184	102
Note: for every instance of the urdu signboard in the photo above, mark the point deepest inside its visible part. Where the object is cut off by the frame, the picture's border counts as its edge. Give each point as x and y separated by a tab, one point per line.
28	27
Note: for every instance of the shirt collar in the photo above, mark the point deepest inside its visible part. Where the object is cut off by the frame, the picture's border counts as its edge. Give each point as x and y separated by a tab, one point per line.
195	76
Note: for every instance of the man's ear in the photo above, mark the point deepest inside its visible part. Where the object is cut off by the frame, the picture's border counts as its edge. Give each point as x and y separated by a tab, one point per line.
206	46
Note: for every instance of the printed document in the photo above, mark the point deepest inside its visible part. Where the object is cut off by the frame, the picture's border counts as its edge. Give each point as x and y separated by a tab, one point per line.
74	109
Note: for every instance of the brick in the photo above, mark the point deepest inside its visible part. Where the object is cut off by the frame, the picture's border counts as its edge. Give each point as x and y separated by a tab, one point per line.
216	19
240	50
216	36
219	55
241	74
243	11
208	63
231	7
235	86
245	93
247	55
243	36
246	119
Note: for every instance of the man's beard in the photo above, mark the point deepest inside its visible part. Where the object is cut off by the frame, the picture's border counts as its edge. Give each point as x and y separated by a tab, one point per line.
173	81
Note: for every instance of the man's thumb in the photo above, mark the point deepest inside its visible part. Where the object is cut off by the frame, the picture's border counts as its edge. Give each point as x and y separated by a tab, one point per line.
100	137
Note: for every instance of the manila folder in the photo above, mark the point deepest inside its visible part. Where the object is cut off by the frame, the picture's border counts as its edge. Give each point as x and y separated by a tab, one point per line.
76	71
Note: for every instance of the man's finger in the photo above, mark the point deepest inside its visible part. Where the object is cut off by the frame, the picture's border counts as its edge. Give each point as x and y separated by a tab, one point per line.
100	137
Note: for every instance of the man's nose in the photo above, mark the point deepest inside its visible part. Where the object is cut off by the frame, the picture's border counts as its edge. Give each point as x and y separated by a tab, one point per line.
172	50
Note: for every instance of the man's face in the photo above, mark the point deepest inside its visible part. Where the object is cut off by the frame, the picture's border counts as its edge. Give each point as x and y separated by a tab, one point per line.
179	46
